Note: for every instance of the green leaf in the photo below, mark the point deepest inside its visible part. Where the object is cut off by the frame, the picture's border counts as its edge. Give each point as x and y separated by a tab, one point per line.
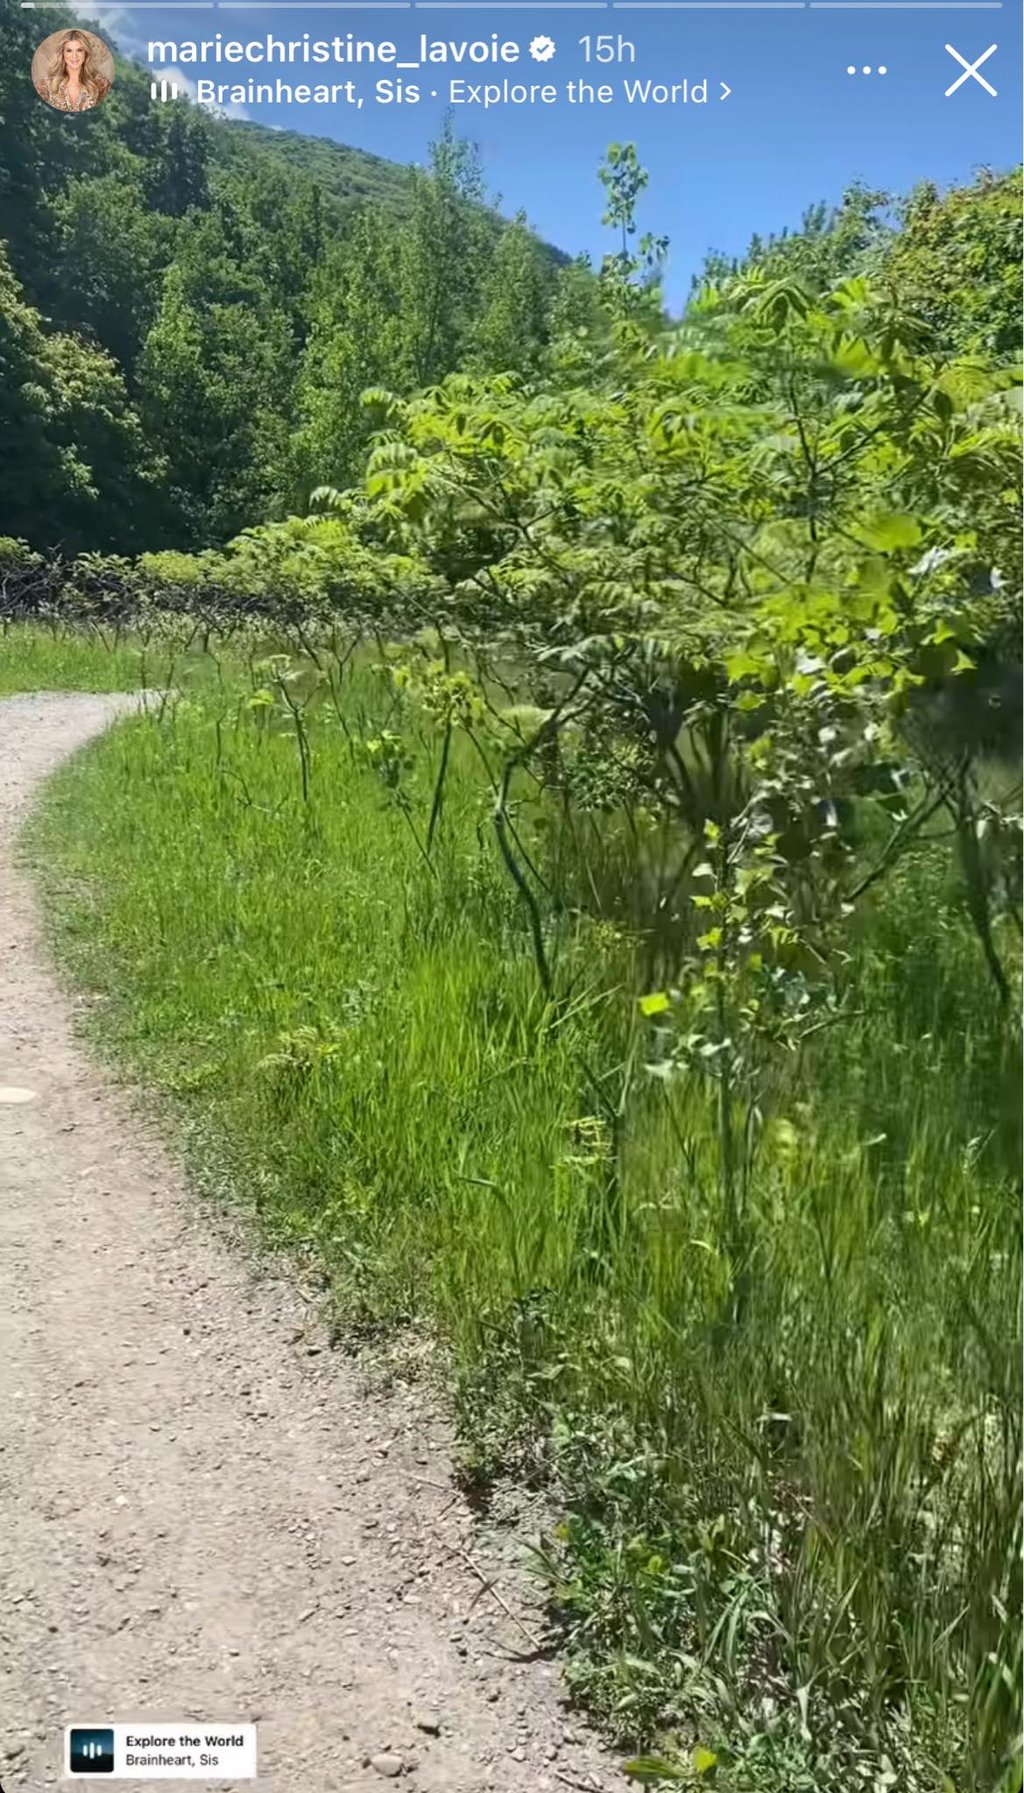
655	1004
651	1769
890	530
852	356
741	665
704	1760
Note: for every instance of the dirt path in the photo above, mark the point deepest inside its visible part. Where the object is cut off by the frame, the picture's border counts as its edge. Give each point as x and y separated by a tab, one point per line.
201	1513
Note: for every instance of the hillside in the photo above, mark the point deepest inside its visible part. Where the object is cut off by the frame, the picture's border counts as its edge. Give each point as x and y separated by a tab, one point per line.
350	176
343	174
196	305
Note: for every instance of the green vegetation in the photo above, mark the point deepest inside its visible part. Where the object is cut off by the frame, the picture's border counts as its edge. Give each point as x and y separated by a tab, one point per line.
176	280
569	887
349	177
801	1492
37	659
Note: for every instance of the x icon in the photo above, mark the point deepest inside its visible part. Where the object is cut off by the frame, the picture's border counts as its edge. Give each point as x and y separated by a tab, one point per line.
971	70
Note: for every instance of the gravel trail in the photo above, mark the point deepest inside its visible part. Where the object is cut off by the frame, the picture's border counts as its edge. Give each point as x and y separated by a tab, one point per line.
202	1513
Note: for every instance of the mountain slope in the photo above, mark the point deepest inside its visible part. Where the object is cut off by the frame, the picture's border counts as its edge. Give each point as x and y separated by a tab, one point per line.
349	176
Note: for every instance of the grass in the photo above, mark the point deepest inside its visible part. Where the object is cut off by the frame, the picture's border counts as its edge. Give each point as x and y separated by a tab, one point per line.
789	1531
35	657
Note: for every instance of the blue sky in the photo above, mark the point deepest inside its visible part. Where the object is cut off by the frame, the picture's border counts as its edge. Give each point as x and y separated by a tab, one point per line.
796	126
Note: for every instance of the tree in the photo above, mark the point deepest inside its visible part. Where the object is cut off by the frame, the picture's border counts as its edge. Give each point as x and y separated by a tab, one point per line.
37	155
732	572
955	262
358	339
511	329
830	245
75	463
214	381
285	236
110	252
442	249
404	303
178	162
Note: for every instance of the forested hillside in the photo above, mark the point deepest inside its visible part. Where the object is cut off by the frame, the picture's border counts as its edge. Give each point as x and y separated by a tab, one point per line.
191	307
348	176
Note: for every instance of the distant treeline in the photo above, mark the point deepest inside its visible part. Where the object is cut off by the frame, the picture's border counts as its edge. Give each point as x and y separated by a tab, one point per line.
190	307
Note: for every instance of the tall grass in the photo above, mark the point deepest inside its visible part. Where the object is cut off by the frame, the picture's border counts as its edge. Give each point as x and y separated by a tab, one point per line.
53	657
789	1533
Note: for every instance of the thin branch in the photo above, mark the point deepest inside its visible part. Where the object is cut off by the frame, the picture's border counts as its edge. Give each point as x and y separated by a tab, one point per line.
898	839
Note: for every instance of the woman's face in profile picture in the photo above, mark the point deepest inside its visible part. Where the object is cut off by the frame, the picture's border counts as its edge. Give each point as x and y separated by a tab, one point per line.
72	71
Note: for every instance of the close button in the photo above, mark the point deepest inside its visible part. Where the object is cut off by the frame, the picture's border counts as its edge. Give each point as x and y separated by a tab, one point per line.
971	70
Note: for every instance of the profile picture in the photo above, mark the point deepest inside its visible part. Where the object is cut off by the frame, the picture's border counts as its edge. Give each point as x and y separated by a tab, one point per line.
73	70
